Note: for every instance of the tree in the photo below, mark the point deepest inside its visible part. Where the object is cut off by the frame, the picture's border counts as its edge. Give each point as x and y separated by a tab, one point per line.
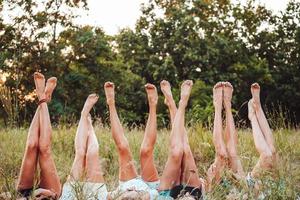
28	44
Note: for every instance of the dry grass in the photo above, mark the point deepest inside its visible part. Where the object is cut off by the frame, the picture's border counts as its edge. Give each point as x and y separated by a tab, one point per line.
285	184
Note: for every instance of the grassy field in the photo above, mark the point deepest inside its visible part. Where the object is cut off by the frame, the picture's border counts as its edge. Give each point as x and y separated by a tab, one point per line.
283	184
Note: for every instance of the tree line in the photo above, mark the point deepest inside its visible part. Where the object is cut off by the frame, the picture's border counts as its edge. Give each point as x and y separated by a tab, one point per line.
203	40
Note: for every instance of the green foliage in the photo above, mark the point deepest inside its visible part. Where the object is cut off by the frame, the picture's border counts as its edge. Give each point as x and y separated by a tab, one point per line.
203	40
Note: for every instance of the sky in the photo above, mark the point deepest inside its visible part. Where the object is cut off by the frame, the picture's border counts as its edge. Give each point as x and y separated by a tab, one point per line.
113	15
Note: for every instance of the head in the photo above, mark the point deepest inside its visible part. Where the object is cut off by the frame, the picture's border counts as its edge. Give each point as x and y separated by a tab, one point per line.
44	194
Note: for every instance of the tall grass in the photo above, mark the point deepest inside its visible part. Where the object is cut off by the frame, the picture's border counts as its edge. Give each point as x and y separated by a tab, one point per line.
284	183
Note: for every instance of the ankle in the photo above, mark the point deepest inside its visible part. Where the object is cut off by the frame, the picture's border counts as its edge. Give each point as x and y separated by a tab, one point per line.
111	102
182	104
152	105
227	106
218	109
42	96
172	107
84	113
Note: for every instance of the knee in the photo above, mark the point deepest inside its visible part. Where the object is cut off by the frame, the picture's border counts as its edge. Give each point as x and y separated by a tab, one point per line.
267	159
45	149
80	153
32	145
146	151
177	153
222	155
123	147
92	151
232	153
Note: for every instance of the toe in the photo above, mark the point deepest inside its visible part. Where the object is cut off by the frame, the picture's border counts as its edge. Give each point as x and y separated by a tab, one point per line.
219	84
93	95
38	75
52	79
109	84
149	86
255	85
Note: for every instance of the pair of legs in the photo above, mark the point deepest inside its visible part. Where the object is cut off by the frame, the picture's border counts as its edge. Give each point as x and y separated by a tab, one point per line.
38	145
180	167
127	170
86	166
226	147
262	134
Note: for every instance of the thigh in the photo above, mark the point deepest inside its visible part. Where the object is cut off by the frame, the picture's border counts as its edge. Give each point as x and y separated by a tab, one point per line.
127	170
148	169
190	174
48	176
171	175
27	171
93	168
215	170
30	158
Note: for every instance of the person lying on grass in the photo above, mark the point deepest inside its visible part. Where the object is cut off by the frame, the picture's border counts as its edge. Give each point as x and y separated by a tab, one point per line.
86	179
38	149
262	134
263	138
131	186
180	179
225	142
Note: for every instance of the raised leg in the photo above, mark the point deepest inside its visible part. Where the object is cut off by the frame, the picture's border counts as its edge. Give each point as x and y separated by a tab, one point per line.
265	158
93	165
48	178
231	134
29	162
262	120
171	172
215	170
127	170
81	138
189	171
169	101
148	170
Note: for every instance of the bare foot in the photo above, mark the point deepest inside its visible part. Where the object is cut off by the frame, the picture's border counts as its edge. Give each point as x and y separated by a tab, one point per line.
50	86
109	89
166	90
89	103
251	112
186	89
218	95
228	90
255	90
39	81
151	94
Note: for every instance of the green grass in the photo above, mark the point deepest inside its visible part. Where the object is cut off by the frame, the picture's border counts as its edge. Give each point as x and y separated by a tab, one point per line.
284	183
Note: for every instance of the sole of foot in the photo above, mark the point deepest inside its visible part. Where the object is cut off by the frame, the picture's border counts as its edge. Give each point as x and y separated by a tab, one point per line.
255	91
39	81
186	89
165	87
218	95
50	86
151	93
227	94
109	89
89	103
